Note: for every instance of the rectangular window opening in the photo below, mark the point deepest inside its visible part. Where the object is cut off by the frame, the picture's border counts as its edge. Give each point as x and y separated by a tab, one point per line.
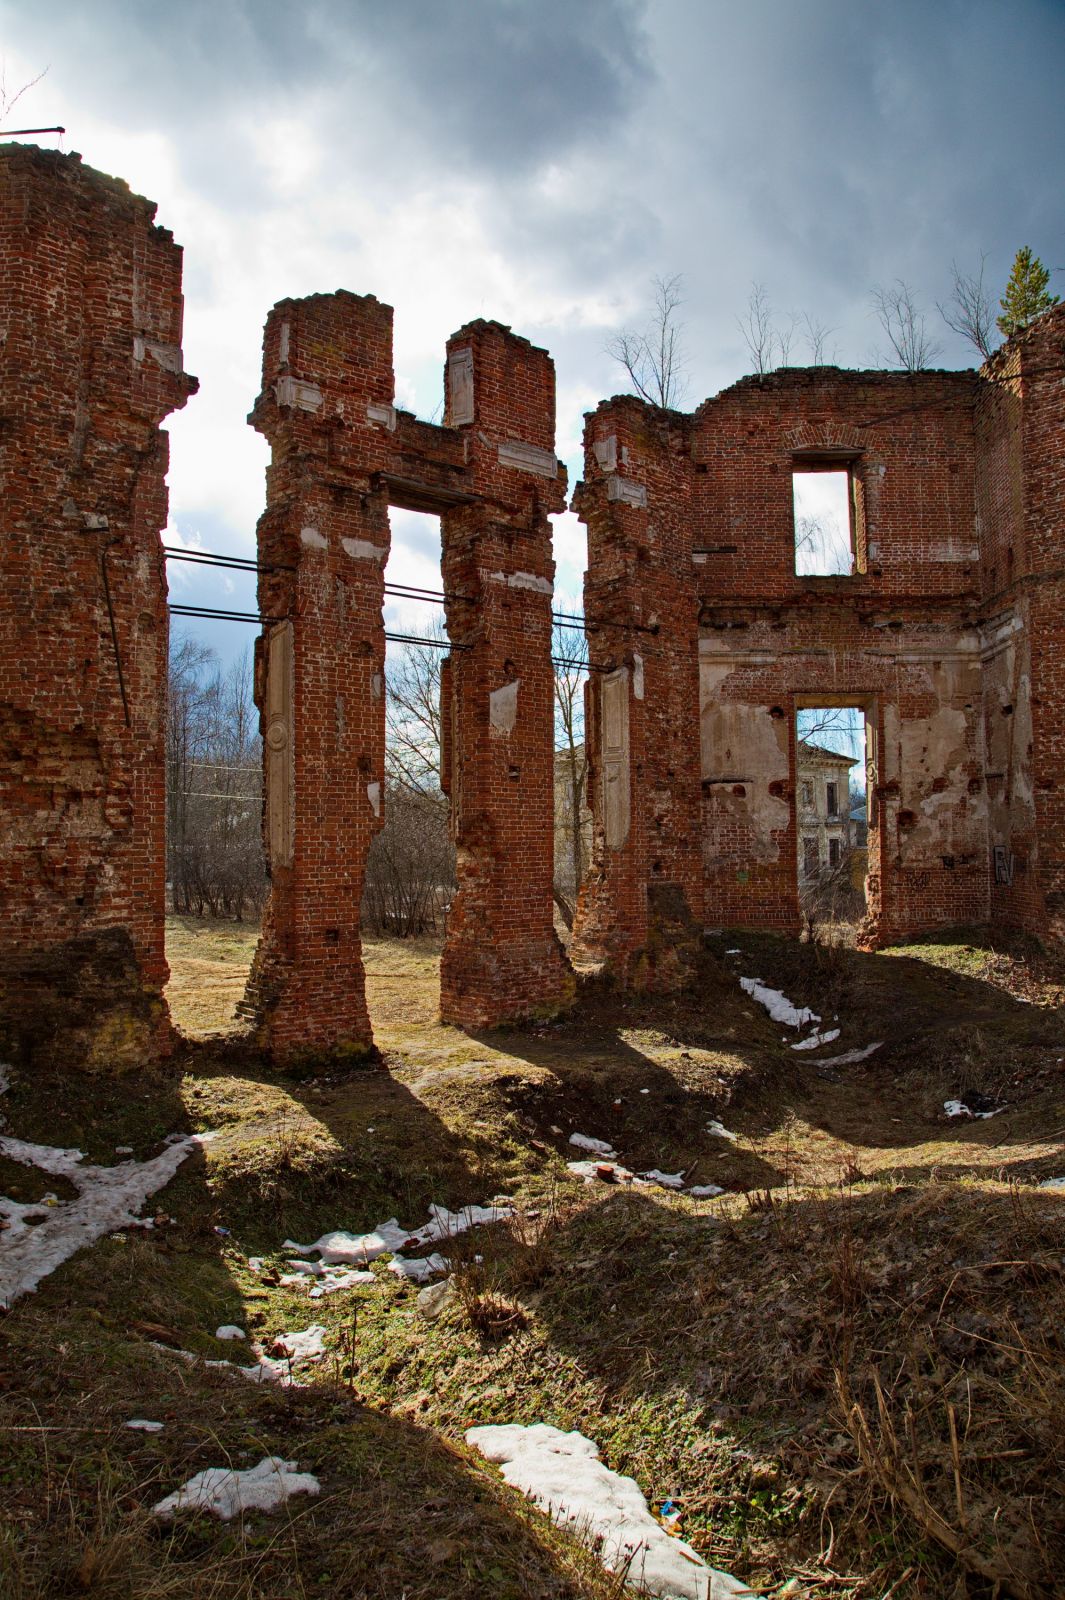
823	499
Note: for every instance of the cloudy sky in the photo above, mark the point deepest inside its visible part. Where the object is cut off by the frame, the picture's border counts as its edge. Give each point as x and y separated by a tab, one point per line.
540	161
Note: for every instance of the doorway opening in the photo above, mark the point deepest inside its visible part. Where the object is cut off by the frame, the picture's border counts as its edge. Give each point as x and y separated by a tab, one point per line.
410	868
831	818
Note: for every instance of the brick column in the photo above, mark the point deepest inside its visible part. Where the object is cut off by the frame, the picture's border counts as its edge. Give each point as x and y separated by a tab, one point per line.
323	540
502	960
90	365
637	907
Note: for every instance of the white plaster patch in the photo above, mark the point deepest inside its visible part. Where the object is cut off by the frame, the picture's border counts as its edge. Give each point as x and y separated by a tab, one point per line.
363	550
384	415
295	392
528	458
313	539
637	676
522	580
168	356
373	794
377	685
503	709
626	491
283	343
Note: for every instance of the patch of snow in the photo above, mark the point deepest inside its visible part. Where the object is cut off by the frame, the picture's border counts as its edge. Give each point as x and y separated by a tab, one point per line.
229	1330
668	1180
141	1426
1053	1183
255	1263
595	1147
308	1345
735	952
849	1057
123	1149
419	1270
705	1191
777	1004
108	1198
562	1474
590	1171
359	1249
325	1280
958	1108
225	1492
814	1040
645	1091
720	1131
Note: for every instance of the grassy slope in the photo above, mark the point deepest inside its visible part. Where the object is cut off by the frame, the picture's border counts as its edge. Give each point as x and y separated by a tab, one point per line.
793	1361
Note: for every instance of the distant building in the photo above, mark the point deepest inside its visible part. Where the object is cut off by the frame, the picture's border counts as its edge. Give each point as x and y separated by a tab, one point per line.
826	831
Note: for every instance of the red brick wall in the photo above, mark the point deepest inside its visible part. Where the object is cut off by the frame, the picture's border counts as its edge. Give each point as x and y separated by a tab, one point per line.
90	365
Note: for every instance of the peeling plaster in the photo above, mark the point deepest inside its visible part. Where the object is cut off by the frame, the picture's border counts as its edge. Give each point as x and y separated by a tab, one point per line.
503	709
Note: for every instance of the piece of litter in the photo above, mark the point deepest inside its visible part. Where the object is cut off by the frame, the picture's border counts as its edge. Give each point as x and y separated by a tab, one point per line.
225	1492
645	1091
777	1004
734	952
432	1301
592	1170
814	1040
229	1330
849	1057
255	1263
668	1180
958	1108
719	1131
705	1191
596	1147
223	1233
562	1474
141	1426
39	1238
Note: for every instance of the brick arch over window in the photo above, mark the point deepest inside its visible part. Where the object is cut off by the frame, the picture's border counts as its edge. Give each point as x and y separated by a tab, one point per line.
830	437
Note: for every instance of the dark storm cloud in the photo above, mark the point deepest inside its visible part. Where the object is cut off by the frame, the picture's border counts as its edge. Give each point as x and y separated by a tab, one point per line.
493	84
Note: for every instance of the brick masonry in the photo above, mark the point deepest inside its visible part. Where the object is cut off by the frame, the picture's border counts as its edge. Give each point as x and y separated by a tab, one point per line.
341	454
90	365
948	635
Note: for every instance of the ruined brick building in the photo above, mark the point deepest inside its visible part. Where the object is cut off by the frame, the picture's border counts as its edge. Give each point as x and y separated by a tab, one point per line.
703	638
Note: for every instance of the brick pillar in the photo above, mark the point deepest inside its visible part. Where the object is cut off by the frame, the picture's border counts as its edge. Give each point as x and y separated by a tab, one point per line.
90	365
502	960
323	540
637	907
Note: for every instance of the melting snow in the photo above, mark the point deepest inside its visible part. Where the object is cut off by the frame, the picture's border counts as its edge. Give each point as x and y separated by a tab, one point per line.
705	1191
1053	1183
850	1056
814	1040
593	1169
668	1180
720	1131
38	1238
323	1279
226	1492
777	1004
417	1271
359	1249
595	1147
562	1474
229	1330
141	1426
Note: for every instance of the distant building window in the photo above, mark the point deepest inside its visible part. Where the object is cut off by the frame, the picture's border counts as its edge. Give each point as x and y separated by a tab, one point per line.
833	852
811	860
832	798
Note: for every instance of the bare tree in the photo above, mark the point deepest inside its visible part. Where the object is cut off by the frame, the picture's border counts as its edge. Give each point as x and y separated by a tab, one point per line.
815	334
654	359
912	347
214	786
412	711
757	329
570	651
969	311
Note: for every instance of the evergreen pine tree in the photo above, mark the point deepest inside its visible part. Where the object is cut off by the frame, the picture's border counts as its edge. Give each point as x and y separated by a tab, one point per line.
1026	293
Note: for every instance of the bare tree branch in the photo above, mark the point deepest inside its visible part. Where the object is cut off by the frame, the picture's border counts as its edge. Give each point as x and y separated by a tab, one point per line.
9	101
912	348
654	359
969	312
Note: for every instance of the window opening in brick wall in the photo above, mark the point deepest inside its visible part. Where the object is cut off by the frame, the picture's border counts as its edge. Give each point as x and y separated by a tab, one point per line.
830	788
822	499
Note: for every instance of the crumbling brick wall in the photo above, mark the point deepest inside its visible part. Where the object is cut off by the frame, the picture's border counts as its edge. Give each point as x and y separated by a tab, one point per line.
947	634
341	454
90	365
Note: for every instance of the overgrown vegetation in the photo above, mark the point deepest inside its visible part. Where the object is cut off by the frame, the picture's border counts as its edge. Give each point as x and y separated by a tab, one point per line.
847	1370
